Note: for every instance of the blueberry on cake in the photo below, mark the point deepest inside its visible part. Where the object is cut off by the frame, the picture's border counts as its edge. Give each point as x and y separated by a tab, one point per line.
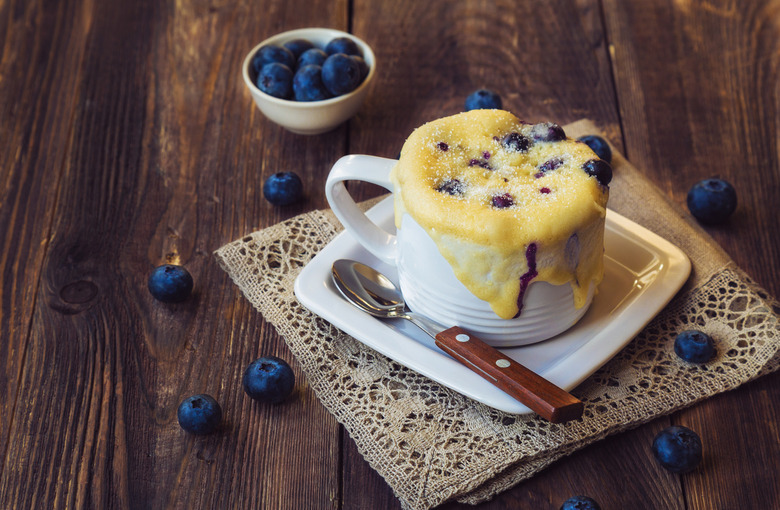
507	203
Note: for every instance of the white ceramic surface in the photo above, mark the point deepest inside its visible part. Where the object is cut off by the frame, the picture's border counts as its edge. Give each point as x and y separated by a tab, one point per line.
642	273
310	117
427	280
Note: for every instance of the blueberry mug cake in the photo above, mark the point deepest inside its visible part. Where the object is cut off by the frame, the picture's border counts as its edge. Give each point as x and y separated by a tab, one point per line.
507	203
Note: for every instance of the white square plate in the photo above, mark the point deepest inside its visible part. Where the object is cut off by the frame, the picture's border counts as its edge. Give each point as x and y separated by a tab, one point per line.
642	272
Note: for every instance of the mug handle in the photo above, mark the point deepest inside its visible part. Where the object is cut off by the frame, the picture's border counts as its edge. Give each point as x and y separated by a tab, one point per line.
371	169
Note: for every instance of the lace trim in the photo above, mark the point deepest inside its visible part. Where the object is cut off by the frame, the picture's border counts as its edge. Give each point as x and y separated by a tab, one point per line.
432	444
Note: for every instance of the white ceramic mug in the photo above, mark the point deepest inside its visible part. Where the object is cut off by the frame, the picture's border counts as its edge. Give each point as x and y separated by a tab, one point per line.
427	280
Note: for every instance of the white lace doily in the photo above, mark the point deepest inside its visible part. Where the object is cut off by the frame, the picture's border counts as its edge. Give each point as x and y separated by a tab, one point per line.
432	444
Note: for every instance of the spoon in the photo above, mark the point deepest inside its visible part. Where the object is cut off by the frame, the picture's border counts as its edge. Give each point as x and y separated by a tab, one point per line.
374	293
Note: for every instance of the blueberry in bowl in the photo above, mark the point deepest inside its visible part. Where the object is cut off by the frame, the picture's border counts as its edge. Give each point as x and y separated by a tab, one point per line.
340	74
276	80
323	98
272	54
308	84
344	45
298	46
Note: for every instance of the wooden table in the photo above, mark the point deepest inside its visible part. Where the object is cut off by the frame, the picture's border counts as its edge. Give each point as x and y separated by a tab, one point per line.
128	139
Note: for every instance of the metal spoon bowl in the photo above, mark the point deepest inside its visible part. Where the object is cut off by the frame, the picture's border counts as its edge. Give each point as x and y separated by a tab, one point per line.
374	293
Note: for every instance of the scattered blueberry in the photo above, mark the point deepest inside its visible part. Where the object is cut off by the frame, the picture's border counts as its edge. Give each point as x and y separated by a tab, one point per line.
271	54
283	188
451	187
516	142
170	283
269	379
483	99
343	45
276	80
678	449
502	201
298	46
547	132
308	86
712	200
598	169
694	346
312	57
442	146
340	74
545	190
580	503
199	414
599	146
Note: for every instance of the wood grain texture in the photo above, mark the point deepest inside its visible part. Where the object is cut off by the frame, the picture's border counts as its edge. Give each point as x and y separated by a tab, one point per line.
130	140
701	100
158	159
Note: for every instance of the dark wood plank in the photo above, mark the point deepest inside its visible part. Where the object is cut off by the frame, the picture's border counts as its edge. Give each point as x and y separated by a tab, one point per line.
696	102
41	48
163	158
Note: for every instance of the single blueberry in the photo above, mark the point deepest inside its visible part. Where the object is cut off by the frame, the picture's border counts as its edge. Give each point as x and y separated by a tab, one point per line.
312	57
480	163
308	86
269	379
343	45
452	187
483	99
270	54
362	65
550	165
502	201
170	283
276	80
694	346
678	449
712	200
599	146
516	142
199	414
547	132
298	46
580	503
340	74
599	169
283	188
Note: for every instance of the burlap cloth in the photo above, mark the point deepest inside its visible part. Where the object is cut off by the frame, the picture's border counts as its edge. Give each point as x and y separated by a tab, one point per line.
432	444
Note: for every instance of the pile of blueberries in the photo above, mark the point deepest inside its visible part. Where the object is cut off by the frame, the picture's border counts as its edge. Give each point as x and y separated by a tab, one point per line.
299	71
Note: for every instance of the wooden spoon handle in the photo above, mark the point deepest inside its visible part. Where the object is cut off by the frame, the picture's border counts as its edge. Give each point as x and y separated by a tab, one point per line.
540	395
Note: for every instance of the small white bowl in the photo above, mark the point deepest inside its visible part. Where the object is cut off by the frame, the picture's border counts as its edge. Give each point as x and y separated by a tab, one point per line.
310	117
